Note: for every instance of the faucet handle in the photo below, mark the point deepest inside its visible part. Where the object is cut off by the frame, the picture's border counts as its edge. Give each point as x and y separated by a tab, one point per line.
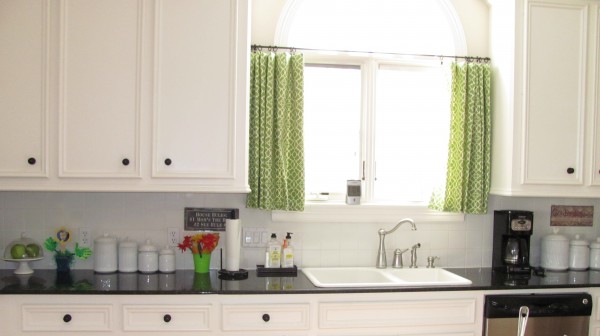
397	263
430	261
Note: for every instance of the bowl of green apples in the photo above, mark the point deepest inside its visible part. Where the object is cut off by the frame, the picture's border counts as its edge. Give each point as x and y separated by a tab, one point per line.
22	251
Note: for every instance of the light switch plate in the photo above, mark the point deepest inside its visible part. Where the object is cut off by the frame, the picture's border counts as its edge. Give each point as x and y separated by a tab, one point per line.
254	237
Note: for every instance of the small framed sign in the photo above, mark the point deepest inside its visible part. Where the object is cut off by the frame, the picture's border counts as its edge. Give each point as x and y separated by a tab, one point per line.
208	219
570	215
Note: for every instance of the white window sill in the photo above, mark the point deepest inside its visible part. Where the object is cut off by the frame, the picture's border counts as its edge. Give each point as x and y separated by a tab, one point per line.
364	213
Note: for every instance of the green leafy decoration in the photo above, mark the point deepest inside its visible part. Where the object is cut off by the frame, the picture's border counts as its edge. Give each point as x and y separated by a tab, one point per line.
82	252
50	244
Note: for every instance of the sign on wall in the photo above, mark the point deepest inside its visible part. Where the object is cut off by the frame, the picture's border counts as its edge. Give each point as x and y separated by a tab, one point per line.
208	219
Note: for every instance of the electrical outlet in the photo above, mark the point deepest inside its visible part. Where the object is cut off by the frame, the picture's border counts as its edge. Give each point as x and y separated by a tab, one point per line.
84	237
172	236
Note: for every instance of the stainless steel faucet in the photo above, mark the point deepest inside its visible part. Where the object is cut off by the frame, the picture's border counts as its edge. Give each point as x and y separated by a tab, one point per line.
381	258
413	255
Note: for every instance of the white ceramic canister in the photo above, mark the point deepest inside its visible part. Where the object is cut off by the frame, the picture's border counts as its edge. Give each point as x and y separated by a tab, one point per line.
105	254
128	256
147	258
166	260
555	252
579	254
595	255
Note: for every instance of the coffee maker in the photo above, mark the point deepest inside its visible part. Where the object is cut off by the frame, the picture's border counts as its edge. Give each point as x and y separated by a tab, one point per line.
512	234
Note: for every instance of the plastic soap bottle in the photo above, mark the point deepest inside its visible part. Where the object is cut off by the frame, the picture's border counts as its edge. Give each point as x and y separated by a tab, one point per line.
273	252
287	252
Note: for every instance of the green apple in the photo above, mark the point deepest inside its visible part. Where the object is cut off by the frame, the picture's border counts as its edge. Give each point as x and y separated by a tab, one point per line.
18	251
33	250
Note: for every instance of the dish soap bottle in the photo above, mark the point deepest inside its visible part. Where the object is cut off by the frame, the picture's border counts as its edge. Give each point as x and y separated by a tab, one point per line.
273	253
287	252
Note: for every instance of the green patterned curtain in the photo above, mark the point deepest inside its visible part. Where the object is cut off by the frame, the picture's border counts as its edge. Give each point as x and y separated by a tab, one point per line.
468	174
276	148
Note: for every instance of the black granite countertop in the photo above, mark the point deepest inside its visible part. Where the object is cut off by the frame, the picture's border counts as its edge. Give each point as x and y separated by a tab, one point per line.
188	282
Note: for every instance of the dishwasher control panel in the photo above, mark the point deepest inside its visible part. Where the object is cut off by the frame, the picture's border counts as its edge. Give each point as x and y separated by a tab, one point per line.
540	305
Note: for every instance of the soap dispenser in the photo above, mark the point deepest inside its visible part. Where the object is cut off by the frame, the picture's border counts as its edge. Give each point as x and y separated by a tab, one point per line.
273	253
287	252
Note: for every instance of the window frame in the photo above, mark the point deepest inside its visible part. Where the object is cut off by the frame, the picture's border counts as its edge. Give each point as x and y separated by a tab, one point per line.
323	212
337	210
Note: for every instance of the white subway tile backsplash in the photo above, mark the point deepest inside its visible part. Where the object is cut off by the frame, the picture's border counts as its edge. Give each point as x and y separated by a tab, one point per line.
141	216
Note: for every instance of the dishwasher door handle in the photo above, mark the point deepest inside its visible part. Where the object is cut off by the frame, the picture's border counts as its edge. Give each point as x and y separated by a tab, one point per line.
523	316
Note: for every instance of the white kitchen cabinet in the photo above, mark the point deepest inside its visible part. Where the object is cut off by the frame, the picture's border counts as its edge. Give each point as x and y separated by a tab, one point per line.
100	91
24	85
42	317
195	112
457	313
544	55
595	103
125	95
257	317
160	317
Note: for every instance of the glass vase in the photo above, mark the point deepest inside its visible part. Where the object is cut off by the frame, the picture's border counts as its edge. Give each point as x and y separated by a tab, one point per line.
201	262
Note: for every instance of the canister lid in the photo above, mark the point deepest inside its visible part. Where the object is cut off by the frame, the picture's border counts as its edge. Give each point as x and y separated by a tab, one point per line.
555	236
127	243
105	239
147	247
166	251
579	242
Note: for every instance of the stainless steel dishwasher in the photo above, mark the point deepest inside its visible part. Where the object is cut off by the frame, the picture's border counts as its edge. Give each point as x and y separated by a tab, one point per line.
565	314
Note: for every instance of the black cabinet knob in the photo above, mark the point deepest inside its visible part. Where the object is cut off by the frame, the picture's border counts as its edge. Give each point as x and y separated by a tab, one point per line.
125	162
570	170
31	161
167	318
266	317
67	318
168	162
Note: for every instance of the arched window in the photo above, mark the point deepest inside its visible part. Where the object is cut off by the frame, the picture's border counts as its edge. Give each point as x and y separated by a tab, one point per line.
378	114
397	26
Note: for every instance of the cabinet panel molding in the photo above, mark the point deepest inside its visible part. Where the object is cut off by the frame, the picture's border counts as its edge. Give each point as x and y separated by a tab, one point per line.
555	93
100	87
24	88
194	91
66	317
595	101
166	317
407	313
266	317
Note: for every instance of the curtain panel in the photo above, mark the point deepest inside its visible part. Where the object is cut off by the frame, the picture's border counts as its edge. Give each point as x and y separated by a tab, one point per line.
276	145
468	174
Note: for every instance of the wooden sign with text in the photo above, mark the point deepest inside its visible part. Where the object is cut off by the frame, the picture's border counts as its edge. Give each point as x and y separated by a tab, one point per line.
208	219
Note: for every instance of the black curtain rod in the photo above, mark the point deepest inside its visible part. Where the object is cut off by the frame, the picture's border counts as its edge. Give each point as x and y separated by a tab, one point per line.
256	47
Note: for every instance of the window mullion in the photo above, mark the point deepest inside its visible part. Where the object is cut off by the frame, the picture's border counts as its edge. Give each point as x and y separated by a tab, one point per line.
369	76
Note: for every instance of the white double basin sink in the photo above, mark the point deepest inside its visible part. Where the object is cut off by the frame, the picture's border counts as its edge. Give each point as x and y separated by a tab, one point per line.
388	277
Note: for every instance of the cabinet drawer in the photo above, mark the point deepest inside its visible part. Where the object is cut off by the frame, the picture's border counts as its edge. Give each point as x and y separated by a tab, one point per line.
166	317
266	317
66	318
408	313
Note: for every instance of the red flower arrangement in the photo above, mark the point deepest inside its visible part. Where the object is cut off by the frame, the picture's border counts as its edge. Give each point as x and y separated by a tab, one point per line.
200	243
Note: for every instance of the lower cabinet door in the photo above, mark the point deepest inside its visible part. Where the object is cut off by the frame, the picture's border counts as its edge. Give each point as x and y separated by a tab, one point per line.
166	317
67	317
266	317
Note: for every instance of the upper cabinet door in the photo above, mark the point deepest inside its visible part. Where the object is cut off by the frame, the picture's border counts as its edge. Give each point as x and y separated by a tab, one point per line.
555	71
194	133
100	80
24	84
595	102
